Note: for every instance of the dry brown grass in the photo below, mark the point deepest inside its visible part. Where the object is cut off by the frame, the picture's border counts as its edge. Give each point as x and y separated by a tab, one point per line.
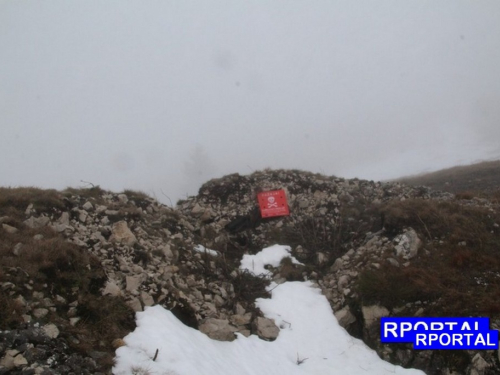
14	201
51	260
104	319
459	277
478	179
436	220
56	267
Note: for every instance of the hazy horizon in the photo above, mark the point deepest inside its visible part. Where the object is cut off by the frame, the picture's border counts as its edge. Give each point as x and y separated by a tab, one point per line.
161	96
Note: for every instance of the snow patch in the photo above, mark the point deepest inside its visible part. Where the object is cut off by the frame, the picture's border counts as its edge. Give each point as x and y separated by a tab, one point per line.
310	342
272	256
203	249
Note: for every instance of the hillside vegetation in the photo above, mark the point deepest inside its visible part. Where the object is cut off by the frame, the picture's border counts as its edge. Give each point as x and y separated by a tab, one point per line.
76	264
481	179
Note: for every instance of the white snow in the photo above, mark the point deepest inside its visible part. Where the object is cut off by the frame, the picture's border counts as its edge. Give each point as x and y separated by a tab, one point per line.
269	256
309	334
203	249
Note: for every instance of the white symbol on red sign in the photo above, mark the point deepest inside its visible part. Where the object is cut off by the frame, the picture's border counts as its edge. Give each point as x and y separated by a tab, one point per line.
271	202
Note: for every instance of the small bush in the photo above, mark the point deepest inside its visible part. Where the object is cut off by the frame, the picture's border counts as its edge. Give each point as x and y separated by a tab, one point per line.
290	271
248	287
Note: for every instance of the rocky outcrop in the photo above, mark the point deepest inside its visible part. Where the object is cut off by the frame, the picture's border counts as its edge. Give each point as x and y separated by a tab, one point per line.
121	234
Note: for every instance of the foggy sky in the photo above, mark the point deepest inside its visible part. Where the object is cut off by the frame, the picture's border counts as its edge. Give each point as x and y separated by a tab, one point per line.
163	95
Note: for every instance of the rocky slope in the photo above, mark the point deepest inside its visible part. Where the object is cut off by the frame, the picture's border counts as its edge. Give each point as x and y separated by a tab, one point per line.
375	249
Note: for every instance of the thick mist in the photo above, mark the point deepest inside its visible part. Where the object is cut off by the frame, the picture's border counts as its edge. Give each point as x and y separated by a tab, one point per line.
163	95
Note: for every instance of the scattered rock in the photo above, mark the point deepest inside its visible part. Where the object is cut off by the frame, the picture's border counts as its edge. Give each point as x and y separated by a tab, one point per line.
19	361
17	249
345	317
121	234
113	289
408	244
371	314
134	304
40	313
39	222
88	206
218	329
9	229
8	360
133	283
147	300
51	330
266	329
122	198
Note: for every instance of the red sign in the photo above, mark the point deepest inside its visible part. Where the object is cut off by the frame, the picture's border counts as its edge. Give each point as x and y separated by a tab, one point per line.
273	203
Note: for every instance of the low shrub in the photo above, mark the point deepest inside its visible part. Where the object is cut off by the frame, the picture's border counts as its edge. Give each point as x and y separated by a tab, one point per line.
290	271
248	287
